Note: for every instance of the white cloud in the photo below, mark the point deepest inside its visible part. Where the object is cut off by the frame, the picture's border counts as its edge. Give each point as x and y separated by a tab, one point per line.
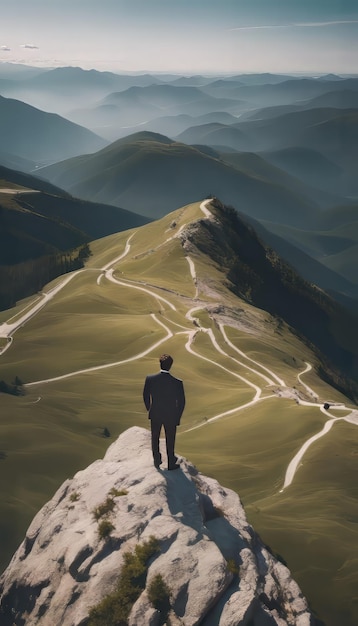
295	25
31	46
320	24
261	27
5	48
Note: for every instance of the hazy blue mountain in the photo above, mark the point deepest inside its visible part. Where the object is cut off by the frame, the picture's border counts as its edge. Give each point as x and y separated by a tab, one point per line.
329	131
330	77
217	134
190	81
226	89
42	137
282	130
120	112
265	78
341	288
151	174
308	165
292	91
265	167
61	89
158	95
331	240
19	71
71	81
258	94
337	99
172	125
346	99
336	137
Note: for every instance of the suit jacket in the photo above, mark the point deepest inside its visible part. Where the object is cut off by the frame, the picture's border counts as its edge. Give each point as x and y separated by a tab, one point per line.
164	398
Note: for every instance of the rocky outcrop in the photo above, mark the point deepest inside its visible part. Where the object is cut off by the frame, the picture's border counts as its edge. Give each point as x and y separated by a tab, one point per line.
218	571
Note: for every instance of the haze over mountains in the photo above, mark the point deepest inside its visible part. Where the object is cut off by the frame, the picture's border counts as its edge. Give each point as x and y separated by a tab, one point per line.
289	140
85	154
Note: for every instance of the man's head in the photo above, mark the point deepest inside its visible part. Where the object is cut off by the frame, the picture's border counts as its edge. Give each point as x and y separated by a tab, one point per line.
166	362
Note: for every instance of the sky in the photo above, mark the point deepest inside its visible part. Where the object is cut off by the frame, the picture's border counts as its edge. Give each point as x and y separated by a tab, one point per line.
183	36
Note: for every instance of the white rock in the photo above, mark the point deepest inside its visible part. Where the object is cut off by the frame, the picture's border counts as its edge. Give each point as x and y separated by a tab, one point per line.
63	567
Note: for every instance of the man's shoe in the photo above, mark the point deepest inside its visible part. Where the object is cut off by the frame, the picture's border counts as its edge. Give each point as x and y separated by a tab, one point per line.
157	464
174	467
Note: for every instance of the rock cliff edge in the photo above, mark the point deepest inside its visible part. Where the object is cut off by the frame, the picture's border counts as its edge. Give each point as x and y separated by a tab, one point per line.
215	566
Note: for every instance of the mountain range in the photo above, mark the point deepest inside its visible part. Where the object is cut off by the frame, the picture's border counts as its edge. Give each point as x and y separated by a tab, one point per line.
298	153
151	174
255	292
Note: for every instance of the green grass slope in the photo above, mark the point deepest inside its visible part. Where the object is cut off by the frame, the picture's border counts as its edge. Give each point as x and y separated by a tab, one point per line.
38	218
252	400
151	174
43	231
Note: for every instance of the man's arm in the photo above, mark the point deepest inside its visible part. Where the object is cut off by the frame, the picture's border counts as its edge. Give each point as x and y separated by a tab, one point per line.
180	400
146	394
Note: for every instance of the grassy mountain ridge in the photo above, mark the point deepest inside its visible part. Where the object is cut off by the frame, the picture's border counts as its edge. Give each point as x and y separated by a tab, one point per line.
40	225
260	276
40	211
151	174
156	305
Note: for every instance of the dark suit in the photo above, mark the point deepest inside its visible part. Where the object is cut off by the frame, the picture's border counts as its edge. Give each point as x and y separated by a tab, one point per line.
164	399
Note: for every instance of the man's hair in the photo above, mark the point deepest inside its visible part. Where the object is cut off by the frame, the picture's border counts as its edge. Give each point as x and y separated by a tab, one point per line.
166	362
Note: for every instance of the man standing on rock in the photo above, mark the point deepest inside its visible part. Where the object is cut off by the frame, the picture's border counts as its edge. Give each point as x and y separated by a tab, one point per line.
164	400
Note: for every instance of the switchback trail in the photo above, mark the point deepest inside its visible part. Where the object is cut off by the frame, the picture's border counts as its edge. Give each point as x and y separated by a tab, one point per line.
268	377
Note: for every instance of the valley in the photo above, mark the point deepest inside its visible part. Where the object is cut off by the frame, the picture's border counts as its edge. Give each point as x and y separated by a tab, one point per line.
255	416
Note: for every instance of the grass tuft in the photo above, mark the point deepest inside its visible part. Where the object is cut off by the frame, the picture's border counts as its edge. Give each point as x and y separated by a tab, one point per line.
118	492
103	509
114	609
105	528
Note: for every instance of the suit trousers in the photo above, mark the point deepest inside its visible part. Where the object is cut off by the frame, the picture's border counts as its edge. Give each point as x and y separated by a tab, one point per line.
170	433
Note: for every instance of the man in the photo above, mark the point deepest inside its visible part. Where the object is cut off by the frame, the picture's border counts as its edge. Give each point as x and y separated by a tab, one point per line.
164	400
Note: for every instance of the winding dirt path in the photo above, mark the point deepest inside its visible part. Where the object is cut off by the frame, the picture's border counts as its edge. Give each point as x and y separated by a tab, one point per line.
95	368
269	377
